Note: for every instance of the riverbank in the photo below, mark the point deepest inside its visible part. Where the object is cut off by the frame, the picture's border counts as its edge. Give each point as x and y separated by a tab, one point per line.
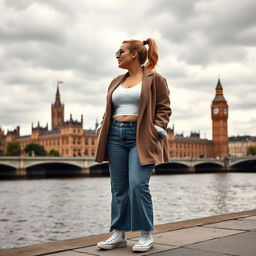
40	211
233	234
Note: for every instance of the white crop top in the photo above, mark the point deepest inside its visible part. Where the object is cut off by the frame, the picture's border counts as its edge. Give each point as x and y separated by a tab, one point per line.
126	100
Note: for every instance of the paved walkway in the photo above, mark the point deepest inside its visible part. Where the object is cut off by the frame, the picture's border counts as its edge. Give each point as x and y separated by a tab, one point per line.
229	234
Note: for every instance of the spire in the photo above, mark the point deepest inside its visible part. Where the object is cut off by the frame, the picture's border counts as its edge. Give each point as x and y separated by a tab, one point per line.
219	92
58	91
57	97
57	111
219	86
219	89
96	124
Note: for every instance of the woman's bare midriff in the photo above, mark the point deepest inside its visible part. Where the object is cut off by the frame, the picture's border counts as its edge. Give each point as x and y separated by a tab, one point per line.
126	118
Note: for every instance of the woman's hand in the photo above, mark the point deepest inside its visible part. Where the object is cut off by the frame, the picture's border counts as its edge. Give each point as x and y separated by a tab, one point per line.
162	132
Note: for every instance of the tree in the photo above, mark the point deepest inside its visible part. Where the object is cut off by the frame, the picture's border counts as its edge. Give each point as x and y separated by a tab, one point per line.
13	148
35	149
53	152
251	150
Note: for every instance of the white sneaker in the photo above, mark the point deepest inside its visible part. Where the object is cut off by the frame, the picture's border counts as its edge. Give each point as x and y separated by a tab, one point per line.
145	243
117	240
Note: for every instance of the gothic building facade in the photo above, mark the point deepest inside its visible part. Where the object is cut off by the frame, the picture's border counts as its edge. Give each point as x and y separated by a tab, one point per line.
69	137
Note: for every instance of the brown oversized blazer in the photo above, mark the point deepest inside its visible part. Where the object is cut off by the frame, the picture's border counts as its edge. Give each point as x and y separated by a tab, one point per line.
154	108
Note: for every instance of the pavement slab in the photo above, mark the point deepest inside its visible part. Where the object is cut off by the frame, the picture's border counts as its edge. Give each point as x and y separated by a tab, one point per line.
93	250
248	218
191	235
68	253
247	225
243	244
234	234
189	252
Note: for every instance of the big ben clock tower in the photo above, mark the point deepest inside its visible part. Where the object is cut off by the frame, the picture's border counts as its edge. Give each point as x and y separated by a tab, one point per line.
219	112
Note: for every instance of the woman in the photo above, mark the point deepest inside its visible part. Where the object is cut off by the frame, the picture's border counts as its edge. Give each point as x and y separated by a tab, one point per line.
132	137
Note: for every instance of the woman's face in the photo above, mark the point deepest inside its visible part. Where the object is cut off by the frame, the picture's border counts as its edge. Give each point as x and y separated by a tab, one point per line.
125	57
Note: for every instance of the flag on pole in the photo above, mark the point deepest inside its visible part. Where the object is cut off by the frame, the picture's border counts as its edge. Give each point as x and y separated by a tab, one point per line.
60	82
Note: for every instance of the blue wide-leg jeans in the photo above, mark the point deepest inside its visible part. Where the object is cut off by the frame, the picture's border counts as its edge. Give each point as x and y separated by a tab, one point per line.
131	206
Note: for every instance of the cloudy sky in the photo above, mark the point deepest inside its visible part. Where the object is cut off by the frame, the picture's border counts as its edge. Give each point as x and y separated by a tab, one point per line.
75	41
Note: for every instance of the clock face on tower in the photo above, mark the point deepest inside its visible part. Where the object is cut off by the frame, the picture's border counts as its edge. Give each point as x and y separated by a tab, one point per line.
225	111
215	111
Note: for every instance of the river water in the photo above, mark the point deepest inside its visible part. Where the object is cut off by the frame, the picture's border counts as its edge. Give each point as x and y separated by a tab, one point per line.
43	210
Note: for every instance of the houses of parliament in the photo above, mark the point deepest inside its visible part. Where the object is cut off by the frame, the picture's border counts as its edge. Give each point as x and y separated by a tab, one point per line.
69	137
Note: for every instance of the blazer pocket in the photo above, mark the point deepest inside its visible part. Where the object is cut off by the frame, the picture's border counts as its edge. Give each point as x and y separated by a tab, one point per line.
155	133
98	129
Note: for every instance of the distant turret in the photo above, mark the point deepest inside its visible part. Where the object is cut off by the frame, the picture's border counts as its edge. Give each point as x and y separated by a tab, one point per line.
96	124
57	112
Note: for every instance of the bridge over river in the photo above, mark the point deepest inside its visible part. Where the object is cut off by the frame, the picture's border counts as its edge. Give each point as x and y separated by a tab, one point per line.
80	166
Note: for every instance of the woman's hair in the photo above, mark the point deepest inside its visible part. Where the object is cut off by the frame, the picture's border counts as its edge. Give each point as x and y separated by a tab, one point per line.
144	54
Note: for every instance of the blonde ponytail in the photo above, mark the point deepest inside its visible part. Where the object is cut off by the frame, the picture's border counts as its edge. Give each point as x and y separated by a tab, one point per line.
144	54
152	53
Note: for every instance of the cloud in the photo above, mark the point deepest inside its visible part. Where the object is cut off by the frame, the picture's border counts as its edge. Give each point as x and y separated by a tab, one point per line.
42	41
204	32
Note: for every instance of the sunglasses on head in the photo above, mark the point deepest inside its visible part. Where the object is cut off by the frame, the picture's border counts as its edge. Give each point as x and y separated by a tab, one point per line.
119	52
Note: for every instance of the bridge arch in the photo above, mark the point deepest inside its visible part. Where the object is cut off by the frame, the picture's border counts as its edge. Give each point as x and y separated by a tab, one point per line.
245	165
9	164
7	170
53	169
99	169
208	167
171	167
33	163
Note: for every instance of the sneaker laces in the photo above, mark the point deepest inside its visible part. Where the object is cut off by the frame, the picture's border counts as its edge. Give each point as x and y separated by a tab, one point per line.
144	237
115	236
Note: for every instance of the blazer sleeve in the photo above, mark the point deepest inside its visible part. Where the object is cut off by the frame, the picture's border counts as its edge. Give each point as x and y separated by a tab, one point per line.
163	110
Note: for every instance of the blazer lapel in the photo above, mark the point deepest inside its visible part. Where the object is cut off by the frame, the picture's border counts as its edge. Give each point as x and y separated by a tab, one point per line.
113	86
145	91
